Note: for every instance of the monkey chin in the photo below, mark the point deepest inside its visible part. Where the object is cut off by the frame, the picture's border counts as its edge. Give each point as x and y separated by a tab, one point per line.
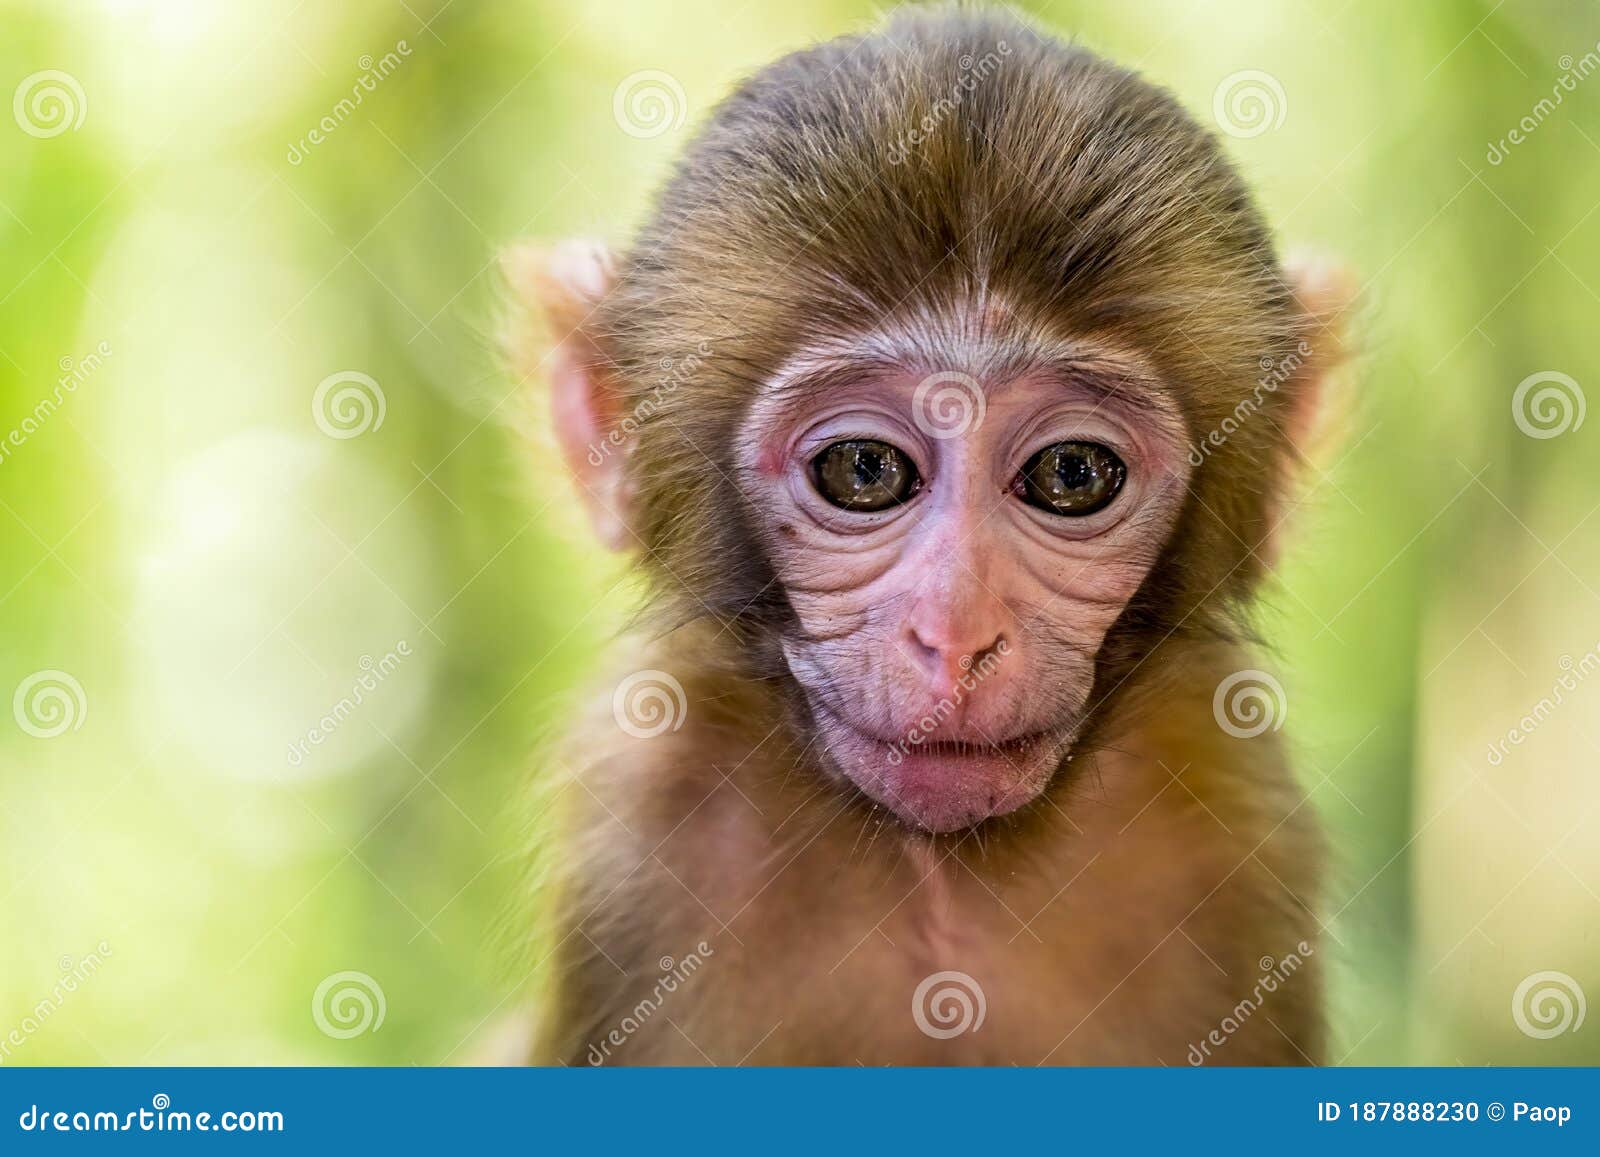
943	785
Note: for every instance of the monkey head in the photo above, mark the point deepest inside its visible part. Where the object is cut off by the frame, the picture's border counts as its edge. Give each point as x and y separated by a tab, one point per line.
952	373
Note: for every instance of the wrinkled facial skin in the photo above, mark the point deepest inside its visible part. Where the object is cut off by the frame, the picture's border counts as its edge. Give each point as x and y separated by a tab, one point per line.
946	645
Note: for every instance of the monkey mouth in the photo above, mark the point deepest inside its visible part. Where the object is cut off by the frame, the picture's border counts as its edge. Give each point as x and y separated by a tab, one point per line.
950	784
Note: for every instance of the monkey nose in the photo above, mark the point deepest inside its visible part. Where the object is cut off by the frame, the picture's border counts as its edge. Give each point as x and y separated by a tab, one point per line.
944	652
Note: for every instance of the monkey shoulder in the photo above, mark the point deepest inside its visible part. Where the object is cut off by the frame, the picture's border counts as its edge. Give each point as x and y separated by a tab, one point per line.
1233	811
663	783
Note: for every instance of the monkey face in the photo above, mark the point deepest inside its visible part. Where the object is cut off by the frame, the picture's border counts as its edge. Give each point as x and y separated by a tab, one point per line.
930	441
955	546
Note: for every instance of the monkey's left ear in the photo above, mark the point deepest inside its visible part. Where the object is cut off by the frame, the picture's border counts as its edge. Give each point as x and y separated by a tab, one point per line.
564	285
1327	295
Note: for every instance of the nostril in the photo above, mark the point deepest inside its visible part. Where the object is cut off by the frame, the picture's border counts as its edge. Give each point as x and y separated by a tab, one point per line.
925	653
982	657
995	649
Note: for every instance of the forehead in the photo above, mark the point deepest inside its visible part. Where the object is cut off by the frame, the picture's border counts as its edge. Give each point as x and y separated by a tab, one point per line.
978	350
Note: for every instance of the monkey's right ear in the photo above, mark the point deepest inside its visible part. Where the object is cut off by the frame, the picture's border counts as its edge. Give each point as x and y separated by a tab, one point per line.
562	286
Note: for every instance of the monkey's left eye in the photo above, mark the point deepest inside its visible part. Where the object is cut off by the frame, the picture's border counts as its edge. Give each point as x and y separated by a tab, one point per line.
864	475
1071	478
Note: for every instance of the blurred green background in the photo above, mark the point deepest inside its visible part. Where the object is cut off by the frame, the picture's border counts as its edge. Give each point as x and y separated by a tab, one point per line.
201	555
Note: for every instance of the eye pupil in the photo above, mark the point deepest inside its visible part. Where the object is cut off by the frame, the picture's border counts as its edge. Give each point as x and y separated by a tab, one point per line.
864	475
1072	478
1075	473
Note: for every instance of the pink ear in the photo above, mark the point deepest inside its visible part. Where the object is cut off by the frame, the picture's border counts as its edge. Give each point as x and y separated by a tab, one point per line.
586	426
566	285
1327	294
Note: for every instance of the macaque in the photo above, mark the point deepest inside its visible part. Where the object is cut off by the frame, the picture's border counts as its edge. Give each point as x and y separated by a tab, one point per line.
949	401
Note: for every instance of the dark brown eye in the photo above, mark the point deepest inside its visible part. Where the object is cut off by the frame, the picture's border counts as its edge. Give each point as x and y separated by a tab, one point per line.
864	475
1072	478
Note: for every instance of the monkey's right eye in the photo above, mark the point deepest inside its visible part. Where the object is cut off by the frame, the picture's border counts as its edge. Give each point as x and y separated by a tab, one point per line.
864	475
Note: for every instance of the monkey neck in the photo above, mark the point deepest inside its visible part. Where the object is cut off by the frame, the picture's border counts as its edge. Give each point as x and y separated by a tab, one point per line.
931	903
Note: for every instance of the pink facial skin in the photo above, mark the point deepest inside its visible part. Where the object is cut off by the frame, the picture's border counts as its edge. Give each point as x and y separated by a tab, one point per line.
947	645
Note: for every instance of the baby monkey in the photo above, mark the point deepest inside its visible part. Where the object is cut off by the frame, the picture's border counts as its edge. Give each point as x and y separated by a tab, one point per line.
949	400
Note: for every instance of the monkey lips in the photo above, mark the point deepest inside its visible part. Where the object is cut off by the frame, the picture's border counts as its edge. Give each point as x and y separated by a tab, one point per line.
944	785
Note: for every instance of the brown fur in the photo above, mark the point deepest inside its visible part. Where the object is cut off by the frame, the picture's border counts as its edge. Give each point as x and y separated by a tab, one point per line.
1148	902
1121	917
